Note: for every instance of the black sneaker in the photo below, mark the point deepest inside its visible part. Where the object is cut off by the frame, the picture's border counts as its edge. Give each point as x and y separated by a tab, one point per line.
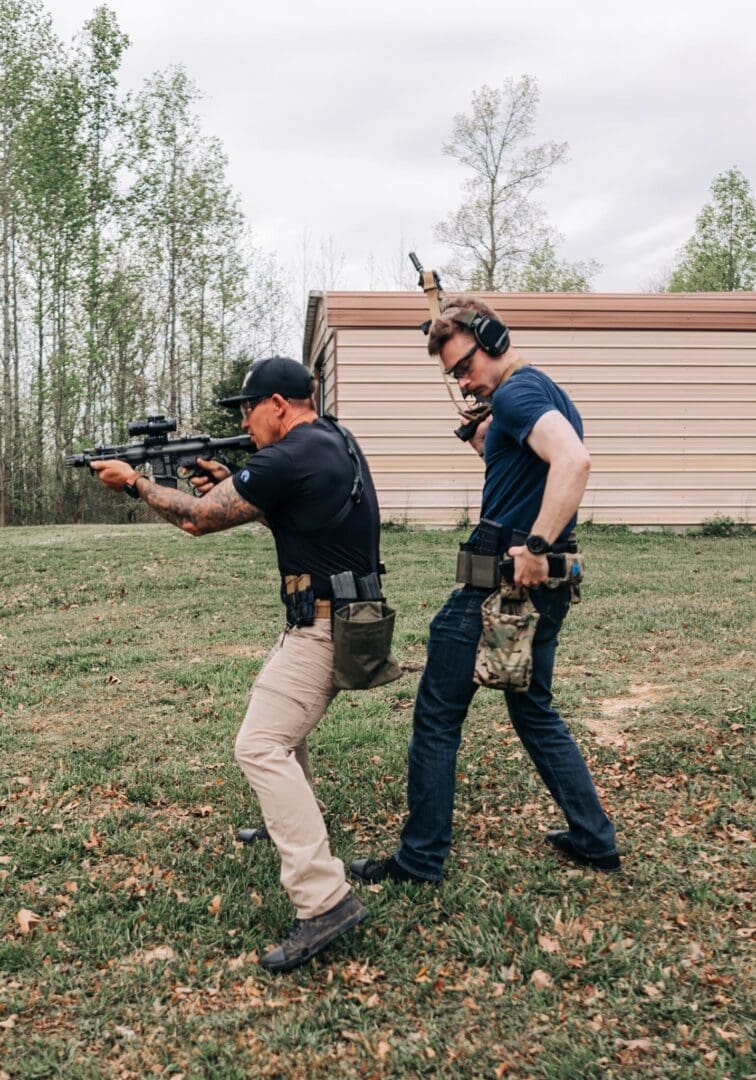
375	870
254	836
608	864
308	937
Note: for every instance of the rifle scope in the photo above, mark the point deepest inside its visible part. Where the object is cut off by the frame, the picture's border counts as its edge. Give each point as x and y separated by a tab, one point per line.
156	427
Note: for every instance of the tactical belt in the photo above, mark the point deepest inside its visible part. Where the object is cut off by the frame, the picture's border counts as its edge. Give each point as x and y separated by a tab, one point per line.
303	608
488	571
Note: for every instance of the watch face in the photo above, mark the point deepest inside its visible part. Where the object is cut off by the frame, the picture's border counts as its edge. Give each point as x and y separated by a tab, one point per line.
536	545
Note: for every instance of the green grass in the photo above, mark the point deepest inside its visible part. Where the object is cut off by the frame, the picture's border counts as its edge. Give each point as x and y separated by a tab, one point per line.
125	657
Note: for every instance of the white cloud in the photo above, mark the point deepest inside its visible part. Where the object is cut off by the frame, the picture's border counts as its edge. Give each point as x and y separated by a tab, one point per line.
333	116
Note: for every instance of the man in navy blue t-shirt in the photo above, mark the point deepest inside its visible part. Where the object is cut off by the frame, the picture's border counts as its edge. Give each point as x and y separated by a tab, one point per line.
536	472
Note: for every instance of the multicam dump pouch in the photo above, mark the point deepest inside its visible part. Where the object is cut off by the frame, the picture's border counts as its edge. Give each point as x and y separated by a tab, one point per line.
362	634
504	660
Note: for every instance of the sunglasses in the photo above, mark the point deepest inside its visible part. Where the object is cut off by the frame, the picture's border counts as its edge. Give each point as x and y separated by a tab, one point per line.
247	407
464	363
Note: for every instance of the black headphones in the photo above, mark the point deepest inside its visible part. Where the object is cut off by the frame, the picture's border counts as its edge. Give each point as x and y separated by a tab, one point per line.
491	335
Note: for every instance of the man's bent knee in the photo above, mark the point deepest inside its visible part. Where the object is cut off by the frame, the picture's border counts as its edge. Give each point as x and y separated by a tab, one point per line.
255	751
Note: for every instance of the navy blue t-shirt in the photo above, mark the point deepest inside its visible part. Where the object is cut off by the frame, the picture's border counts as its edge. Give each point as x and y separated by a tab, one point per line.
515	476
301	483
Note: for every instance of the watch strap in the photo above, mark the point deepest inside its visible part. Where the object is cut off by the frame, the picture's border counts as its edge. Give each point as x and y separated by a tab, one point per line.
131	489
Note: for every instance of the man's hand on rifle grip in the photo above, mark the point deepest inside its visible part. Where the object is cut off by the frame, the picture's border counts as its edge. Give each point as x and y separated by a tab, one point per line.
214	473
529	569
478	440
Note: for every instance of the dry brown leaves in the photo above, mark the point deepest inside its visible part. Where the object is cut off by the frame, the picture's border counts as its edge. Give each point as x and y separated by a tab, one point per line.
26	920
541	980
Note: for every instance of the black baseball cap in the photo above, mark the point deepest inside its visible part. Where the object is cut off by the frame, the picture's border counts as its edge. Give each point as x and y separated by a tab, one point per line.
273	375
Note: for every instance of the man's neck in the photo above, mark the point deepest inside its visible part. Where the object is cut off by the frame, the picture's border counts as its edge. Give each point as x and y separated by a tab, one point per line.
289	422
513	361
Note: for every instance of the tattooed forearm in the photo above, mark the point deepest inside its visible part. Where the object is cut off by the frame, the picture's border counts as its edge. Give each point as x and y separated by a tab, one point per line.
220	509
223	507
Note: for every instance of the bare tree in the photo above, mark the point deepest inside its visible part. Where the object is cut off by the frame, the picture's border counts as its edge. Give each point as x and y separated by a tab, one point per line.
396	274
322	268
498	228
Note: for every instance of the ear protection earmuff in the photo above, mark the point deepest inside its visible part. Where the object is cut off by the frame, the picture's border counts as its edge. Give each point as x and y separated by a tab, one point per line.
491	335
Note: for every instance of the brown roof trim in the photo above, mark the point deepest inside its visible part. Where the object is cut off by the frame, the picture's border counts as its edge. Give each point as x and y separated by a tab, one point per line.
313	300
663	311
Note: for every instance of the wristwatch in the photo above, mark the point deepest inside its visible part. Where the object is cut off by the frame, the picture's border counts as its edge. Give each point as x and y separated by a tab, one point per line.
131	489
536	545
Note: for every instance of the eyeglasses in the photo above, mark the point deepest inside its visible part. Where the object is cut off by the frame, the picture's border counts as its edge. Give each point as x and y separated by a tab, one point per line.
248	406
463	365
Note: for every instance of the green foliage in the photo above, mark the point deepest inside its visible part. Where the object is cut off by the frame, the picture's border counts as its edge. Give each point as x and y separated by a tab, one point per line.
721	525
397	525
545	272
225	422
131	282
721	254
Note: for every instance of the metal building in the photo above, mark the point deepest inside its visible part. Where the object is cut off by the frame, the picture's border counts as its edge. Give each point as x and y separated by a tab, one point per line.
666	385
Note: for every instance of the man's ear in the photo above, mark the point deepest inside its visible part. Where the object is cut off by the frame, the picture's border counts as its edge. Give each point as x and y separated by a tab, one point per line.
280	402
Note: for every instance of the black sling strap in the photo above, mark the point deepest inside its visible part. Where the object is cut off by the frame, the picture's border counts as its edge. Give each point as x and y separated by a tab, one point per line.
358	484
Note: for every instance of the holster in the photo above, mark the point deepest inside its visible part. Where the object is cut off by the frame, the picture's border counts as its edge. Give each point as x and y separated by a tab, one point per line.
488	571
565	568
299	598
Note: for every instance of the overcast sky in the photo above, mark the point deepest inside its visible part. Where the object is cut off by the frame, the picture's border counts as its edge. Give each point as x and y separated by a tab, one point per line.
333	114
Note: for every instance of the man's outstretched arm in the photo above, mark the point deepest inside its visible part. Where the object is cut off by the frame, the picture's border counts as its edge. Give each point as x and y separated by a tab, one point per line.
221	508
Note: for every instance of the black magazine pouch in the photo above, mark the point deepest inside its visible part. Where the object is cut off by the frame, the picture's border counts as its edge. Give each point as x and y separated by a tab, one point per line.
362	633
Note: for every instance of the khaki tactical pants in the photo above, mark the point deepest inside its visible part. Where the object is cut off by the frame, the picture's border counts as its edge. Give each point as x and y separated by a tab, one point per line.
289	696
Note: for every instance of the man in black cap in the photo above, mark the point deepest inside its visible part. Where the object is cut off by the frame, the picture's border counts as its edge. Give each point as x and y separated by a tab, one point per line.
309	482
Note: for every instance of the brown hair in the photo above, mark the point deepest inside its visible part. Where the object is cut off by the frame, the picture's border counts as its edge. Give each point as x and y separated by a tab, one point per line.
447	326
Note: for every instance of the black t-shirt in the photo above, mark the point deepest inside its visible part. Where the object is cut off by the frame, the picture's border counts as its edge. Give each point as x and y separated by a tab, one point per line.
301	484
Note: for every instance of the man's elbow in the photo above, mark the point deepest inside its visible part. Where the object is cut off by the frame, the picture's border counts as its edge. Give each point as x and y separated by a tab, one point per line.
192	528
576	466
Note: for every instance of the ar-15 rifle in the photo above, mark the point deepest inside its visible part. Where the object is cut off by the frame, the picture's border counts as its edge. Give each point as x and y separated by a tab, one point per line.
475	409
169	459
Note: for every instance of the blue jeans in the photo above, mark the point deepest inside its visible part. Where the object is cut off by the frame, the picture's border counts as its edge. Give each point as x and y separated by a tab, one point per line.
444	695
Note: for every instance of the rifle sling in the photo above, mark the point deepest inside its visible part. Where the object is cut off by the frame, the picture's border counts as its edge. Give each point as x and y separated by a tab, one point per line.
355	495
431	290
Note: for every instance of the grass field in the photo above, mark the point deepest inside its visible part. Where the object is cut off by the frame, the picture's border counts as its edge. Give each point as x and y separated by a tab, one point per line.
131	922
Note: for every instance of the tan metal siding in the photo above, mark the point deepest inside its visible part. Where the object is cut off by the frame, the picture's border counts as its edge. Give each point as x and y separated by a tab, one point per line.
666	387
321	354
328	374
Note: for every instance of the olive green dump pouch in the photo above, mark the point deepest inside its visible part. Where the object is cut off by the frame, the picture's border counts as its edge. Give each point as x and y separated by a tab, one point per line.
504	660
362	633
